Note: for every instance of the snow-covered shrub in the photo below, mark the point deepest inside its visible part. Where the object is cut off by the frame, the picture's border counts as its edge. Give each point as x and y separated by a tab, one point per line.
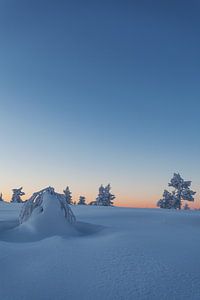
93	203
39	201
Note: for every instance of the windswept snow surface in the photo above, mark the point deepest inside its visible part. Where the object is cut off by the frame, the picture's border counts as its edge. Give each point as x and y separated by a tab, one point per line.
112	253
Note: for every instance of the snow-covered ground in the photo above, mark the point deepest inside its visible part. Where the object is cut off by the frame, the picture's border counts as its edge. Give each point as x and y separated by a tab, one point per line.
112	253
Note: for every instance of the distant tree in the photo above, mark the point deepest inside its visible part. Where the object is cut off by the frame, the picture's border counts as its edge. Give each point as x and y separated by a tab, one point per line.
81	200
16	197
68	195
1	197
105	198
186	207
181	192
93	203
101	195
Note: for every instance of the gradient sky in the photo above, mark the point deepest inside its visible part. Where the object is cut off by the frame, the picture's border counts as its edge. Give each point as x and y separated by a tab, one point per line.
98	92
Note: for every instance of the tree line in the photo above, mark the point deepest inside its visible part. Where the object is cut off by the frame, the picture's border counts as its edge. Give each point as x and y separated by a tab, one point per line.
170	200
104	198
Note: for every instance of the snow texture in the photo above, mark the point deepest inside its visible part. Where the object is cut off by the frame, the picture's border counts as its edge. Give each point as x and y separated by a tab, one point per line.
116	254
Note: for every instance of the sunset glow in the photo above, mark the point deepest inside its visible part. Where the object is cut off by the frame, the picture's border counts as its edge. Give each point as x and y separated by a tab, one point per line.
98	100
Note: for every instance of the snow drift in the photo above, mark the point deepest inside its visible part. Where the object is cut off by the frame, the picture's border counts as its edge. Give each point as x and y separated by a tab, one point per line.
47	213
140	254
44	215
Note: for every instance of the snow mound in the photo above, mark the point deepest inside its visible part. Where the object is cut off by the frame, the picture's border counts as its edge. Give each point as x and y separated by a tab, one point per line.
44	202
46	214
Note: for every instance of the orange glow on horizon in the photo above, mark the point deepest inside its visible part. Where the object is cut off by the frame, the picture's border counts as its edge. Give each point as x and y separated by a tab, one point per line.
127	202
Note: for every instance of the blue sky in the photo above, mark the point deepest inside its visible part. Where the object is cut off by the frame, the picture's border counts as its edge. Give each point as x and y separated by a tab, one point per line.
94	92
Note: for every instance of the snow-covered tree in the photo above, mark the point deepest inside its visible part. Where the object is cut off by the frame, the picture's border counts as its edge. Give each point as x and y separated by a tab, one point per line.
167	201
17	193
105	198
100	196
181	192
81	200
1	197
45	201
68	195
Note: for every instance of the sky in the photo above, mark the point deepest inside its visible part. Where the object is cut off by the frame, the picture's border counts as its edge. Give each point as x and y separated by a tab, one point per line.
98	92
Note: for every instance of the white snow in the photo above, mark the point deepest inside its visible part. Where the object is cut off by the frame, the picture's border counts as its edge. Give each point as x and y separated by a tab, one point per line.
45	214
111	253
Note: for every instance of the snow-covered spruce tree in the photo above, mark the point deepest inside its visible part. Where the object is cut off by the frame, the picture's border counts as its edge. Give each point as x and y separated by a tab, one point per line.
105	198
68	195
45	201
100	196
16	197
1	197
167	201
81	200
182	190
